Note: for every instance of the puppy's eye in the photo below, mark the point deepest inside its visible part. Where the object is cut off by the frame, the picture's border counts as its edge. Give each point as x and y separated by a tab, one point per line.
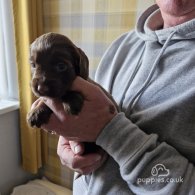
32	65
60	67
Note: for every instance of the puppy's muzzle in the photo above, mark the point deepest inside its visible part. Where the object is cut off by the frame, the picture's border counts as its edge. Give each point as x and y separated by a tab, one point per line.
42	89
50	88
40	86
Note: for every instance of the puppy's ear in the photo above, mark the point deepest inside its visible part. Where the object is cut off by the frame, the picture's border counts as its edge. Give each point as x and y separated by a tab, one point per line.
83	64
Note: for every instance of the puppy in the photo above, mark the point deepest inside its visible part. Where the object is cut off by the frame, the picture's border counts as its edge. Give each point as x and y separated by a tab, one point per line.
55	62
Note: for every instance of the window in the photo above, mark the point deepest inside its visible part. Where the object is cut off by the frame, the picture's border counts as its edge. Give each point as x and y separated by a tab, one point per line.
8	68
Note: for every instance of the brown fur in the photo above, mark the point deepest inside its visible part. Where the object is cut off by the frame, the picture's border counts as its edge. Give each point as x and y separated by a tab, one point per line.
55	63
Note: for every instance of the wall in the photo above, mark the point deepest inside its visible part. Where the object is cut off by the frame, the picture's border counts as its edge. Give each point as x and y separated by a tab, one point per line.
11	173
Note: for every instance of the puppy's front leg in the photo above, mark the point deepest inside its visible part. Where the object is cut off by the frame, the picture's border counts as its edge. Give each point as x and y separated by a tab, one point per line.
73	102
39	115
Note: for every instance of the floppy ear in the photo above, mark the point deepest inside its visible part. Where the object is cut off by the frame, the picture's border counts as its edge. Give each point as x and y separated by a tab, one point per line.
83	64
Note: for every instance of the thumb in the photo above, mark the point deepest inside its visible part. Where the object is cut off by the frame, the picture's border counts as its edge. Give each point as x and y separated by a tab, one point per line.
77	147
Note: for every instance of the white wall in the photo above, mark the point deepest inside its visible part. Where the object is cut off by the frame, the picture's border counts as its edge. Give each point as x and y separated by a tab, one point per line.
11	173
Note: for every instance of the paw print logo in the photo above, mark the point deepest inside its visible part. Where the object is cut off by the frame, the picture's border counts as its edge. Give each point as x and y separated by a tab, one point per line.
160	170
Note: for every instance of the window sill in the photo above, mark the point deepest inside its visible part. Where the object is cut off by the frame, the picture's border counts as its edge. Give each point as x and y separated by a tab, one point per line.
8	106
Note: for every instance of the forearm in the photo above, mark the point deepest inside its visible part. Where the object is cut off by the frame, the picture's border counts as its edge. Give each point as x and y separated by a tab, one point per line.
137	153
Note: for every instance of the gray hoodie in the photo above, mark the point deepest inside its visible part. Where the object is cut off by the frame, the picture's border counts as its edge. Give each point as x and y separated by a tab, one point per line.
151	74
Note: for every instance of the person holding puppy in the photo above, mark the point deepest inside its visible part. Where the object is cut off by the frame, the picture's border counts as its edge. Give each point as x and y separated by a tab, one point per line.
150	72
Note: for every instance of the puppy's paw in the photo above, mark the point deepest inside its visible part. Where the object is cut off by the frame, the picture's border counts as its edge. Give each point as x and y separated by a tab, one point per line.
38	116
73	102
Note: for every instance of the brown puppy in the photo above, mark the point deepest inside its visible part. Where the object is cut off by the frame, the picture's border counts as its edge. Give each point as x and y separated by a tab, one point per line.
55	63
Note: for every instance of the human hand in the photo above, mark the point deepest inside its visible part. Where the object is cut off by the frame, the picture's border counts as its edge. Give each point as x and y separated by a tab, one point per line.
71	155
96	113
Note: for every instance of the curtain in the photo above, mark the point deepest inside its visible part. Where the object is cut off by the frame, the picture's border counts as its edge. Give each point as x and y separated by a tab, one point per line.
28	25
91	25
8	70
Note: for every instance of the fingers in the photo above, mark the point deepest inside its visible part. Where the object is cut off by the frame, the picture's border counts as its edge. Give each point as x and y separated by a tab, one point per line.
57	107
83	164
63	145
94	166
77	147
74	161
89	169
53	125
36	103
84	87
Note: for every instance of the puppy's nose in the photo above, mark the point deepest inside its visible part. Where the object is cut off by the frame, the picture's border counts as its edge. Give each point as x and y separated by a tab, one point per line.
42	89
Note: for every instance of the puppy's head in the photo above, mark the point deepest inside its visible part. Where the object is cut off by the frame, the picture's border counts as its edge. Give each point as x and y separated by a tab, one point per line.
55	62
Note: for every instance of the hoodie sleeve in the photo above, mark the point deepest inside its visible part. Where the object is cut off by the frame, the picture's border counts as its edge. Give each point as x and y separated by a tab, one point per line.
148	167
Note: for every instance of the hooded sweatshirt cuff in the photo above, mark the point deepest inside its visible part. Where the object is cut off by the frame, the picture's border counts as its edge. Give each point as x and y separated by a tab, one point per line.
123	140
